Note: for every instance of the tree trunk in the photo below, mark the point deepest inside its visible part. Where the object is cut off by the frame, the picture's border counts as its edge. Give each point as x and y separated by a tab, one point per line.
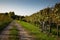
57	32
43	26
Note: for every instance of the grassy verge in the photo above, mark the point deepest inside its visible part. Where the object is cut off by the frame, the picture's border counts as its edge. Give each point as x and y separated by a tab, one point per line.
13	33
3	25
33	30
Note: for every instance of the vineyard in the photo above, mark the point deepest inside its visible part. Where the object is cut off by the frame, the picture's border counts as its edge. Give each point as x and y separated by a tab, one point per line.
47	19
42	25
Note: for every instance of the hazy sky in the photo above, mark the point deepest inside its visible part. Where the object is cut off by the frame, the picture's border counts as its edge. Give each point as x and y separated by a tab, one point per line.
25	7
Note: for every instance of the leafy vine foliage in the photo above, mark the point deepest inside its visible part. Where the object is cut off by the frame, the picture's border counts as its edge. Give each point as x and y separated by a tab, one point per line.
46	19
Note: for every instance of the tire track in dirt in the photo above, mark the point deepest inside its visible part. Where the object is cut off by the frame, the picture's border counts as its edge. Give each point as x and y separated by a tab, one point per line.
5	33
23	34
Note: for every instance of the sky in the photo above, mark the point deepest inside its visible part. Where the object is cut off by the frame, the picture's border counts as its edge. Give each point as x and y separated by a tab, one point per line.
25	7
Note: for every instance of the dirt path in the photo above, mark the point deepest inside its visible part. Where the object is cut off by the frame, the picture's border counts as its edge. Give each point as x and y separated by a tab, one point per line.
5	33
23	35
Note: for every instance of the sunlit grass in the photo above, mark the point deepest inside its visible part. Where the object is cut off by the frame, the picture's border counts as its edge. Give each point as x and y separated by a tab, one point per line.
34	31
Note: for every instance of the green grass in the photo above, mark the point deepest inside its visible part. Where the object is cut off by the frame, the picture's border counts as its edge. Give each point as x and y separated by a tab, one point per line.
14	33
3	25
33	30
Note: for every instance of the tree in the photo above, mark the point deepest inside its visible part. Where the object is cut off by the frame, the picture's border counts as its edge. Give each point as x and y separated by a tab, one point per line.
12	15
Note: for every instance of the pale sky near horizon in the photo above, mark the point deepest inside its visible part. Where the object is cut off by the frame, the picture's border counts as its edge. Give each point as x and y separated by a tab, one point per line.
25	7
